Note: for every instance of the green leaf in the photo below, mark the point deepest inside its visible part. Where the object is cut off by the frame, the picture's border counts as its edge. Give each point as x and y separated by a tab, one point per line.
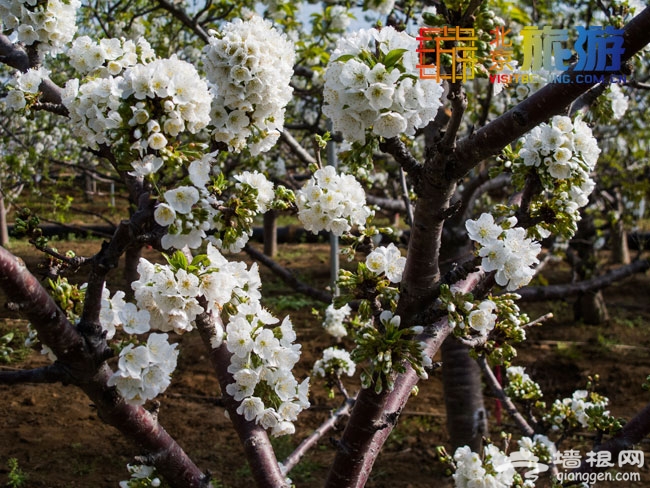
344	58
393	57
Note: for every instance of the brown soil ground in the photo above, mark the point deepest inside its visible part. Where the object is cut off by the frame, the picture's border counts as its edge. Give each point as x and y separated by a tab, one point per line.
58	440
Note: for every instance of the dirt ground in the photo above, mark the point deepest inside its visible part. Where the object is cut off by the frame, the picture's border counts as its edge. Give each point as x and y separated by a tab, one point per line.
58	441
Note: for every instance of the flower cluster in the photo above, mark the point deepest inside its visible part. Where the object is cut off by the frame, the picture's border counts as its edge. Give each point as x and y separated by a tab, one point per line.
144	371
584	409
171	292
332	202
521	386
387	260
539	448
617	101
386	348
25	85
507	251
190	211
563	154
116	312
497	320
250	65
108	57
50	24
494	470
334	318
261	364
334	363
370	86
139	112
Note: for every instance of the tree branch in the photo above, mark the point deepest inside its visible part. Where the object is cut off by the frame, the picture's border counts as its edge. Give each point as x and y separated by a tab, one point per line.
294	458
287	276
185	19
16	57
79	360
375	415
555	292
297	149
257	446
546	102
404	158
53	373
511	408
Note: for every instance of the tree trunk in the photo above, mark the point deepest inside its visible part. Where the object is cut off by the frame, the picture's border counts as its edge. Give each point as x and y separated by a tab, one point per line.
591	308
620	248
4	231
270	233
461	378
131	259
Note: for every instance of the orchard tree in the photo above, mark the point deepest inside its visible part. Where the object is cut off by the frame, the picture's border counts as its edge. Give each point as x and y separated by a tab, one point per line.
197	110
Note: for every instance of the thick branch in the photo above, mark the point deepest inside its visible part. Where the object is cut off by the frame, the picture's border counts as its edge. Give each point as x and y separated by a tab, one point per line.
257	446
78	360
52	373
548	101
141	427
375	415
404	158
555	292
33	301
16	57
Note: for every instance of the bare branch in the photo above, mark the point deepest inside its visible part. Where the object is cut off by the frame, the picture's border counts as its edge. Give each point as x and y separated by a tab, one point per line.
555	292
53	373
497	389
297	149
182	16
294	458
287	276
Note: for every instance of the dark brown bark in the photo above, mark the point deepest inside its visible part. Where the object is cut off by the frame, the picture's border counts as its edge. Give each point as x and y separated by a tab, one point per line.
271	233
461	380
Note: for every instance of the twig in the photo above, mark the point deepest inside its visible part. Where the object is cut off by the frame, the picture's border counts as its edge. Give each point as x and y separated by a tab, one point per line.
554	292
297	149
292	459
287	276
510	407
405	192
182	16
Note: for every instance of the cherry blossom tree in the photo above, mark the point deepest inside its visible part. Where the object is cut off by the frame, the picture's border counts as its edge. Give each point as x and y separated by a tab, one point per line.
195	119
